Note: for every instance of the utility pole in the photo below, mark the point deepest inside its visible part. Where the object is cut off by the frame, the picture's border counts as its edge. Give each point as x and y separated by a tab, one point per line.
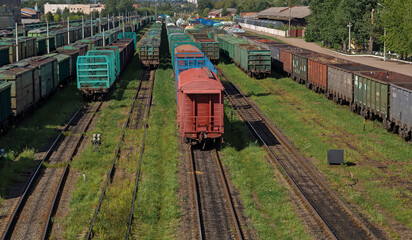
290	16
384	44
349	26
17	44
91	24
68	30
82	28
48	39
371	33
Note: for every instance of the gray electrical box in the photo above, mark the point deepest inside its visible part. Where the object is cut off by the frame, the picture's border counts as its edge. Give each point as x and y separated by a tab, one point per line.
335	156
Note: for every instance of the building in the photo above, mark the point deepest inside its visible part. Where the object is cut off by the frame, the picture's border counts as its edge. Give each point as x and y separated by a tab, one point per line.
193	1
9	12
73	8
296	14
30	15
217	13
248	14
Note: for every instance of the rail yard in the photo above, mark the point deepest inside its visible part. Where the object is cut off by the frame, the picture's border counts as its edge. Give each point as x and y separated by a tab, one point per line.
159	128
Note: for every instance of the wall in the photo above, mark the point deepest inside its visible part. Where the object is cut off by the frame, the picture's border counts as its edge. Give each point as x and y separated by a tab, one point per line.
263	29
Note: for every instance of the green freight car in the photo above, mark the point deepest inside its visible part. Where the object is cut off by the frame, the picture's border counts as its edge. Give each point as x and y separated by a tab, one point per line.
5	104
4	55
251	58
149	47
63	66
24	81
370	93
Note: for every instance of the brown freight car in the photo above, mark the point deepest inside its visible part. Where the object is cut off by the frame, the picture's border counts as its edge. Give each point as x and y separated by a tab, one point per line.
318	72
200	105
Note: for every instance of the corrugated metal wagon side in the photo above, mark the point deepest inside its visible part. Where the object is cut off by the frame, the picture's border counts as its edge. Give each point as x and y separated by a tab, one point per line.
400	110
5	104
340	80
318	72
21	76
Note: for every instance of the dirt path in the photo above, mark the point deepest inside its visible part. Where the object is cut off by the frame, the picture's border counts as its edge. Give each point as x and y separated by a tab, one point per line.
395	66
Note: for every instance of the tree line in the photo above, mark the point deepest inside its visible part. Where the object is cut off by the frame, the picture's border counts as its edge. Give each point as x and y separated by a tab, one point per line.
369	20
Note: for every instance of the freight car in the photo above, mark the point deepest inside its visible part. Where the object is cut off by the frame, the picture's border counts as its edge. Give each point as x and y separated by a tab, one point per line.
209	46
371	92
200	105
26	83
251	58
199	92
5	105
149	48
100	68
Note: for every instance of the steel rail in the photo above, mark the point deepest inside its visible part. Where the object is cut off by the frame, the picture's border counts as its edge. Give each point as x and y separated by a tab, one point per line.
196	194
149	103
34	176
64	174
228	195
286	144
109	175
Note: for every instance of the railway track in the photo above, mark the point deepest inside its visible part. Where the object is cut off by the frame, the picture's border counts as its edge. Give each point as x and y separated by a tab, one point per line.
143	92
332	214
31	216
216	215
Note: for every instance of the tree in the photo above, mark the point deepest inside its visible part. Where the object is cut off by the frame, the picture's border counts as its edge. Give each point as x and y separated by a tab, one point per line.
65	13
203	4
56	18
59	12
49	17
398	37
224	11
205	12
110	7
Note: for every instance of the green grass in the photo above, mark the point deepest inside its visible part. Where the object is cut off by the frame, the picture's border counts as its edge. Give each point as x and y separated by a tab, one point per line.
315	124
33	135
156	211
96	164
265	200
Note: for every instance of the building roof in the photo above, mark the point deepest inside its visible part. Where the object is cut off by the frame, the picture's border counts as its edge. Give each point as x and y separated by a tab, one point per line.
282	13
219	11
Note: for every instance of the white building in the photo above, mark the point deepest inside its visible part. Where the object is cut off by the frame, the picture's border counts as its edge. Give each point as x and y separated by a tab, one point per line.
85	8
193	1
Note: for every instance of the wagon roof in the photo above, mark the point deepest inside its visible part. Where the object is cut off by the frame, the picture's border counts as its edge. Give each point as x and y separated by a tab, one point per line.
12	70
4	85
199	80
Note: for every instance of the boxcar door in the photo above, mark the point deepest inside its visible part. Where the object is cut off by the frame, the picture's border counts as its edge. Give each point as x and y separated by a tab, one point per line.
202	112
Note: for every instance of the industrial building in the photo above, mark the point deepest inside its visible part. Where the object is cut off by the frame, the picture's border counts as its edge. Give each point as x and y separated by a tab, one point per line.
73	8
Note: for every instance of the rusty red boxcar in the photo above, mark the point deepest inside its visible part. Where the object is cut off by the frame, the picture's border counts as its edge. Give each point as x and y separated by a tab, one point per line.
318	72
200	105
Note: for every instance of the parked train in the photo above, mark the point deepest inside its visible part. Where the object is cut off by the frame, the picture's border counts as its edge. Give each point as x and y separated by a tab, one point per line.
199	92
25	84
149	47
371	92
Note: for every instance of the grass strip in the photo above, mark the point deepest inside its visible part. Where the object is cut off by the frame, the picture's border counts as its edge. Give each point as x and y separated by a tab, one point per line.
156	211
33	135
94	164
265	200
315	124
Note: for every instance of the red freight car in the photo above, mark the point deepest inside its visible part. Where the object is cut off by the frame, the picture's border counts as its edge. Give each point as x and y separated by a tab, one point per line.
200	105
286	60
318	72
